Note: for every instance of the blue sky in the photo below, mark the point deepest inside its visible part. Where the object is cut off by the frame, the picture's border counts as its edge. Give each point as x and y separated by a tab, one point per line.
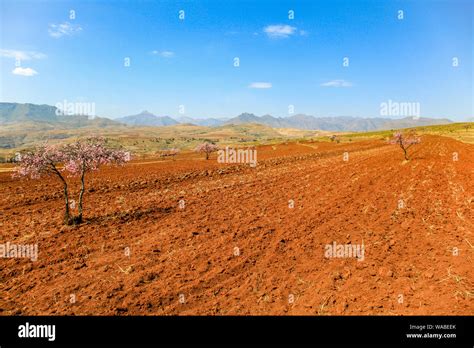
283	61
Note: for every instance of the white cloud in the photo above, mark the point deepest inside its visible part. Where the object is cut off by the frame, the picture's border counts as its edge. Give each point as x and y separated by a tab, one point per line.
260	85
303	33
167	54
337	83
164	54
279	31
66	28
24	71
21	55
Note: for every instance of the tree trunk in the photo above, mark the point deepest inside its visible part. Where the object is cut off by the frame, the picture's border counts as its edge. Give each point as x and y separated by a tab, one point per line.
81	194
405	152
67	215
207	155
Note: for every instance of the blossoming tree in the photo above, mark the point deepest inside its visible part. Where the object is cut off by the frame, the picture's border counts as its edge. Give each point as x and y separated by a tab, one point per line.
405	141
207	148
75	159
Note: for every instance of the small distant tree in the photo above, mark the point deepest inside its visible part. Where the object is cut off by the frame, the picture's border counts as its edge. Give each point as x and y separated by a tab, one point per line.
467	126
207	148
169	153
405	141
77	159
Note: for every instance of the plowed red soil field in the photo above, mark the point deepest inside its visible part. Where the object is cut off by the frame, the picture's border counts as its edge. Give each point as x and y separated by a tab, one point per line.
238	247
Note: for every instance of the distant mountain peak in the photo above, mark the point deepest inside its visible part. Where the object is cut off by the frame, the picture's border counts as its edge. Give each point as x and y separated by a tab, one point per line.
247	114
146	118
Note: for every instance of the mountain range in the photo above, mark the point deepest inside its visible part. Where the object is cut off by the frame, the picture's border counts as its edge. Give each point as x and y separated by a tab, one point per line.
146	118
300	121
206	122
45	115
339	123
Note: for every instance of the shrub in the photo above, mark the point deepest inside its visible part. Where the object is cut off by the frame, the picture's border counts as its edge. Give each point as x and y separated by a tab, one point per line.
169	153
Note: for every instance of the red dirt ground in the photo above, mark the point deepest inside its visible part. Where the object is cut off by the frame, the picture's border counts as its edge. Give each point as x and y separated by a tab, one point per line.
281	268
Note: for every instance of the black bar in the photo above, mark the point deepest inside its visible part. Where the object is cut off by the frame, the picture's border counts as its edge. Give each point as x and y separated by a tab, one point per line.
334	330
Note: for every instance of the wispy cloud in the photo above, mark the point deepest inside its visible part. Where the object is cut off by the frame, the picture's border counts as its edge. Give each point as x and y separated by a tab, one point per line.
279	31
260	85
164	54
337	83
24	71
63	29
21	55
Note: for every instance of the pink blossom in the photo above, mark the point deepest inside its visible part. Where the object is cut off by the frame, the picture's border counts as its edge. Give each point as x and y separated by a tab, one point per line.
207	148
77	158
405	141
